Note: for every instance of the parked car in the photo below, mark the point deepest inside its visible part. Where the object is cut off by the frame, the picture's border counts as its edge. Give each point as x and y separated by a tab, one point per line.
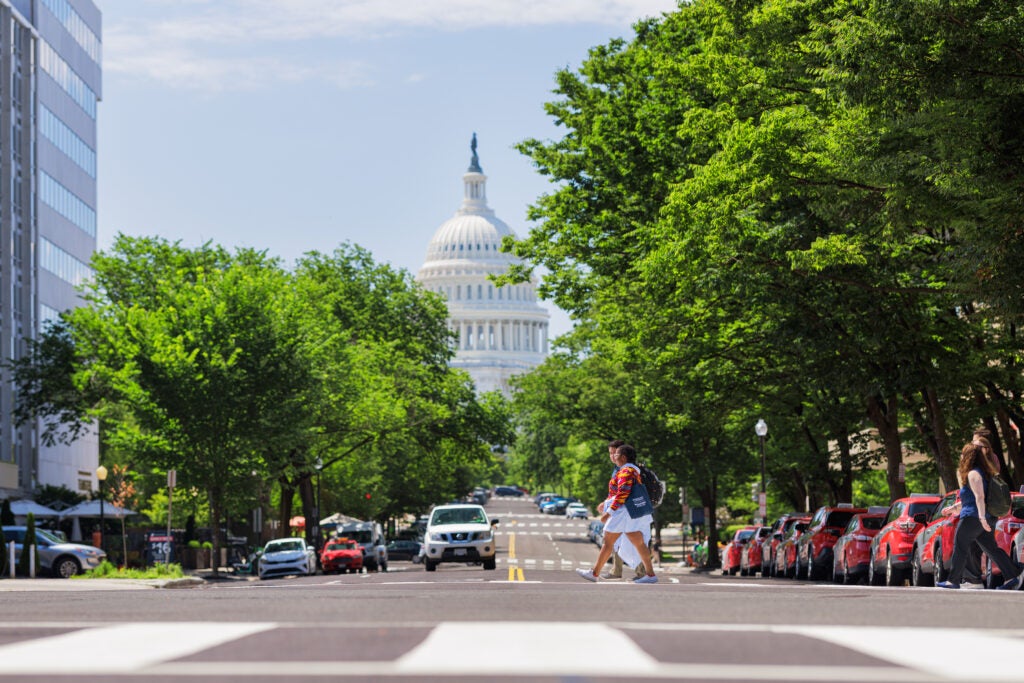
750	556
785	554
59	558
1005	529
459	533
341	555
405	550
556	506
513	491
732	550
576	511
933	545
852	550
543	496
286	556
370	537
772	543
595	531
814	546
892	548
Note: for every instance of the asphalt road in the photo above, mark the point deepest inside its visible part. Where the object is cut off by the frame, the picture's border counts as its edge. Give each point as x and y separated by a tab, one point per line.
531	619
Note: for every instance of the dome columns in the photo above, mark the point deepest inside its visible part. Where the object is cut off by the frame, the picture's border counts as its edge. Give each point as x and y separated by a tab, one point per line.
493	334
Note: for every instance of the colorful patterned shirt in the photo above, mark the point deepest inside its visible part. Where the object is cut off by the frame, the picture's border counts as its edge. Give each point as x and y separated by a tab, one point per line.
620	486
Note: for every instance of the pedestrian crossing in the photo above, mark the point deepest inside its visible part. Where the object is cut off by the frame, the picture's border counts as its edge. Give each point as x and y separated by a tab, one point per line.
207	650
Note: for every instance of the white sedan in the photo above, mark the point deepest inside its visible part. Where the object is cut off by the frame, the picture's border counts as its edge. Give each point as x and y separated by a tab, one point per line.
576	510
285	556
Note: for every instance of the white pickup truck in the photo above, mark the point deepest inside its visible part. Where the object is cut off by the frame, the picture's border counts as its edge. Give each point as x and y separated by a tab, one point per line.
459	533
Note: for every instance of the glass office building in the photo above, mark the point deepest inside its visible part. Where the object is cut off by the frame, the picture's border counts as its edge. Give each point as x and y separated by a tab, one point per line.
50	86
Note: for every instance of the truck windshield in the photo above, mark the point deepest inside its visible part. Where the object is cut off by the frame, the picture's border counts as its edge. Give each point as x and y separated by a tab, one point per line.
458	516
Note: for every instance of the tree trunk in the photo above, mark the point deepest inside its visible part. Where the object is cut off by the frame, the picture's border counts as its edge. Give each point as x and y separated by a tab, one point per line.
284	509
312	516
846	466
940	439
884	415
216	503
708	499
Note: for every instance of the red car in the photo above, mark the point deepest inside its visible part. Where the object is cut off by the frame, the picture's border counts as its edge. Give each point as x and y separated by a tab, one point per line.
933	546
852	550
1005	530
731	552
341	554
893	547
814	547
750	557
785	554
770	544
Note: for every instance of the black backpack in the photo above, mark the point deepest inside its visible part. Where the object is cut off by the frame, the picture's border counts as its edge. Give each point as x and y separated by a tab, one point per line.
997	500
655	487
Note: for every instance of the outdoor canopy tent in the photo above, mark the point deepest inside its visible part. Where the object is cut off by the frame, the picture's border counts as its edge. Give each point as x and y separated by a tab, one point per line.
22	508
91	508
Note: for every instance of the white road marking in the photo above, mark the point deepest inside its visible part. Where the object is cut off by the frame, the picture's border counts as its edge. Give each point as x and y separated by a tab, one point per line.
986	656
137	645
534	648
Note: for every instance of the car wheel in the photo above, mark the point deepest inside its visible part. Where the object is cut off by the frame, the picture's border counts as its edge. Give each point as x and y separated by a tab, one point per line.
430	565
893	576
940	568
916	571
65	567
874	578
991	580
490	563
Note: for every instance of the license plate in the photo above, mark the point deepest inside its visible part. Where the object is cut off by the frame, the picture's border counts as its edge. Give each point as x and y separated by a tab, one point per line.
460	551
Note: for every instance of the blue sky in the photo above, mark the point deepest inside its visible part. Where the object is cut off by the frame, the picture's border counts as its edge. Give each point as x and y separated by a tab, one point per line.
297	125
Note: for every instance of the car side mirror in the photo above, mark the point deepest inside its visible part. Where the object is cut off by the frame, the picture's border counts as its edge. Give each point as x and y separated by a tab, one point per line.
921	518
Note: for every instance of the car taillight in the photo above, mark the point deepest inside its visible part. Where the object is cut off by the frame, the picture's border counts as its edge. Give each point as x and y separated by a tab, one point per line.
906	525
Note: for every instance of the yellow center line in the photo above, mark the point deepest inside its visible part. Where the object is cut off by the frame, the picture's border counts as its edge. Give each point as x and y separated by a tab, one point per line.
514	573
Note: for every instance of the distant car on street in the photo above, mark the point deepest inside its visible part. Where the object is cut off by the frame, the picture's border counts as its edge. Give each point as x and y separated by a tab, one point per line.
287	556
508	491
56	556
405	550
341	555
576	511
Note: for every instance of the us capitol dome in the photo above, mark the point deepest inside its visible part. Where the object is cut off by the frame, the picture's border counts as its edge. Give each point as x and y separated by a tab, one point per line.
501	331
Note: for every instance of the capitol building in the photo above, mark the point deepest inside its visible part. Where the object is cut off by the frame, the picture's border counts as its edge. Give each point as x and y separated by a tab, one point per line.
501	331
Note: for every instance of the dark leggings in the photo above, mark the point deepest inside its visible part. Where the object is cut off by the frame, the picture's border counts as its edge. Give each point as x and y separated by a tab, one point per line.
969	532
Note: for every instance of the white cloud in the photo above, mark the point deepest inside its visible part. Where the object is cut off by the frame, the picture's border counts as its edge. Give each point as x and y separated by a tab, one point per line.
180	43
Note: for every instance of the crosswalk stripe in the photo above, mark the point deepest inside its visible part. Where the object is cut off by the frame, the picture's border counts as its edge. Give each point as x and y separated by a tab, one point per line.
138	645
541	648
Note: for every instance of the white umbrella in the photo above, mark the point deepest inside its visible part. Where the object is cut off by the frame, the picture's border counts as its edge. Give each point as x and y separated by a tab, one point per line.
22	508
91	508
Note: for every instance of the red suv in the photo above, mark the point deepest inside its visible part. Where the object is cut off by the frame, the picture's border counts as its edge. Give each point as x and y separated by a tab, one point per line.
785	554
772	543
731	552
852	551
933	546
814	547
893	547
750	558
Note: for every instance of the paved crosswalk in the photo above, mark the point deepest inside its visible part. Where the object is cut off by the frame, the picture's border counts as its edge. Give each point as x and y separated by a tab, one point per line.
654	651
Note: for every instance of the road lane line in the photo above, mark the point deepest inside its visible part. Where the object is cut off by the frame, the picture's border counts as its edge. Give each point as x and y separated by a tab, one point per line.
137	645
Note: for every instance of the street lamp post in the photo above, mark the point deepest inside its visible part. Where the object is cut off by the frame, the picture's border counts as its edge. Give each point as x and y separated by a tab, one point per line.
761	429
316	511
101	476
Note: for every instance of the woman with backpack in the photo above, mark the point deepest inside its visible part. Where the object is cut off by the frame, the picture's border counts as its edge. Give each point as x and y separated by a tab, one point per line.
975	527
619	525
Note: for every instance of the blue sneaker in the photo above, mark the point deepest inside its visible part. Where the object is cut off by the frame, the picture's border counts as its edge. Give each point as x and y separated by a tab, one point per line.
1010	585
650	578
947	584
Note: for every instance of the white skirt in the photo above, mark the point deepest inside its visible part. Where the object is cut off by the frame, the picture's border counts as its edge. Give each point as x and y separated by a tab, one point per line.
621	523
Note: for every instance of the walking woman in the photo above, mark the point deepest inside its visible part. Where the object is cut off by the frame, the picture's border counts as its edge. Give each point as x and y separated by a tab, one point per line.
623	534
975	527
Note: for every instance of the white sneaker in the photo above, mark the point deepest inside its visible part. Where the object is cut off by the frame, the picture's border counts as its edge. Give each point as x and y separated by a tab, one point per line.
646	579
586	574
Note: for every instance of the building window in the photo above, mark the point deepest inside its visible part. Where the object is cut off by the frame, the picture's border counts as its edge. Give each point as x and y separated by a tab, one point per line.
67	79
64	139
62	264
67	204
76	26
